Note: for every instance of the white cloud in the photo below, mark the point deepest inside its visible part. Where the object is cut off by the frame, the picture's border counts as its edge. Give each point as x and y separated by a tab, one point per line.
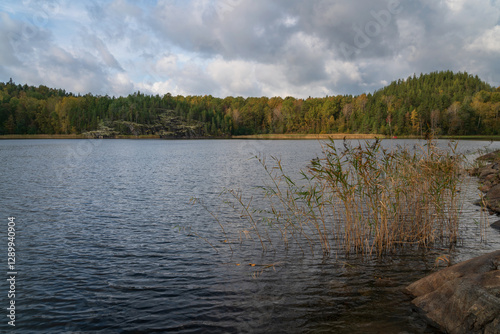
235	76
340	71
159	87
290	21
455	5
121	84
489	41
167	65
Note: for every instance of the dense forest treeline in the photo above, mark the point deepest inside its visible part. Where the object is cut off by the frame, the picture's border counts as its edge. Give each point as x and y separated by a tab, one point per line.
441	103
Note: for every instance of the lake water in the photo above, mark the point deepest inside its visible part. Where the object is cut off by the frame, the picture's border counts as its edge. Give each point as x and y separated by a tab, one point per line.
102	245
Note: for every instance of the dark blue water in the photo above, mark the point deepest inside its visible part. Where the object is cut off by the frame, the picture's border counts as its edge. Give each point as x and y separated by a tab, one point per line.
105	244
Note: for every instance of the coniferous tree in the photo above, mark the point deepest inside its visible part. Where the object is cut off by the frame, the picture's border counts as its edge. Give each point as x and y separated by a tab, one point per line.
440	103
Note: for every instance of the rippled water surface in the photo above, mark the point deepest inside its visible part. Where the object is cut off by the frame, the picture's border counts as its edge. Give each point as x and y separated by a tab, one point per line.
103	245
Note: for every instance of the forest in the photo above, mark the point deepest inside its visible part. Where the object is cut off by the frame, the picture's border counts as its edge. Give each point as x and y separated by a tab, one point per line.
438	103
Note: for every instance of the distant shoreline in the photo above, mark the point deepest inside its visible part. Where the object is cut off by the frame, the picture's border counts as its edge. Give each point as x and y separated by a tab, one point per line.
335	136
73	136
42	137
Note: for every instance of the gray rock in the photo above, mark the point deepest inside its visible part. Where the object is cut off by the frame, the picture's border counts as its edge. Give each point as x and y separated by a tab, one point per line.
484	173
491	177
485	188
494	193
490	156
493	198
496	225
464	298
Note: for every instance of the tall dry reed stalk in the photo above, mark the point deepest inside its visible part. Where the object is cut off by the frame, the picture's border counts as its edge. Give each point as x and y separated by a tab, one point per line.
363	200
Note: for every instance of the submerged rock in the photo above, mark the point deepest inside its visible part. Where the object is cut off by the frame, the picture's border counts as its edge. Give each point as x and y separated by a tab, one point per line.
464	298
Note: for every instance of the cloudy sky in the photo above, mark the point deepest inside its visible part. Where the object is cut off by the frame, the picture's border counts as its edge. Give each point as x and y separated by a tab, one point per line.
244	47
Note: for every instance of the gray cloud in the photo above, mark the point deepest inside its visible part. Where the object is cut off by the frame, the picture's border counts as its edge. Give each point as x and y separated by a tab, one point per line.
31	56
104	53
252	47
9	40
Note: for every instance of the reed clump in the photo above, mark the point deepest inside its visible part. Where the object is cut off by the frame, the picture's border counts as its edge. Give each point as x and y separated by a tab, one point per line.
362	199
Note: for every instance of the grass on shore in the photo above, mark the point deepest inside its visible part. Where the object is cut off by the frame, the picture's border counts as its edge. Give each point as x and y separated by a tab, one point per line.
341	136
476	137
336	136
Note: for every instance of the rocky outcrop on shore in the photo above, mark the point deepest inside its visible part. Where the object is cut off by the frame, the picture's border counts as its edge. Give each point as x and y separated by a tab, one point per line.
489	177
464	298
166	125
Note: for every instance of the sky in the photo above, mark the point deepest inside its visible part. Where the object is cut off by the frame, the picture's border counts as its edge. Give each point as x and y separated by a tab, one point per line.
255	48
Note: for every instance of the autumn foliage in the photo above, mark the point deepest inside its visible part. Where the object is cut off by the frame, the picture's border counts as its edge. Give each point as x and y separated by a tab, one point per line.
439	103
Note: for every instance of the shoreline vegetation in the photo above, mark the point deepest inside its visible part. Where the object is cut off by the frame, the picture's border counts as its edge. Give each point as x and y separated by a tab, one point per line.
336	136
290	136
429	106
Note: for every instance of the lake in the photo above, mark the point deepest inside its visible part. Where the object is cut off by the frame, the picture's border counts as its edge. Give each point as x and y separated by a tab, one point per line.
103	245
